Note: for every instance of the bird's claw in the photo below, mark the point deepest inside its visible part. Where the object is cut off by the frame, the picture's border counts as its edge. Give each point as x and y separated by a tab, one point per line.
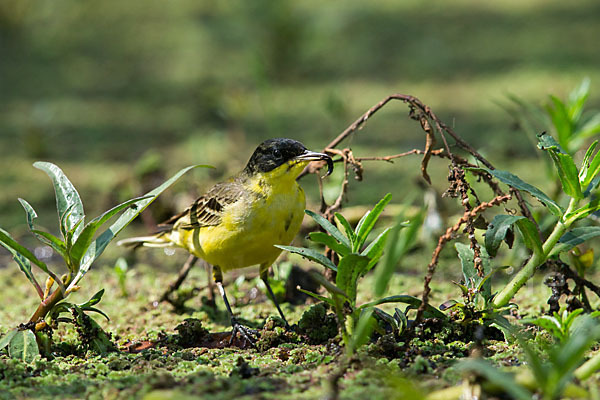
248	335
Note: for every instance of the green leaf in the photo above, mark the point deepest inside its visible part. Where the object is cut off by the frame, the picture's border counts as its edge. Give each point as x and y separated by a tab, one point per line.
374	251
567	173
23	253
95	299
7	338
67	197
329	241
97	247
590	128
517	183
329	227
564	164
23	346
560	120
547	323
347	228
577	99
368	221
585	164
330	287
350	268
470	273
395	249
575	237
318	297
591	168
94	309
497	230
84	240
500	378
530	234
584	211
45	237
310	254
406	299
363	330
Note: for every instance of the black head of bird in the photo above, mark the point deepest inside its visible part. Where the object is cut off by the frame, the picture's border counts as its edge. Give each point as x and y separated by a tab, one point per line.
273	153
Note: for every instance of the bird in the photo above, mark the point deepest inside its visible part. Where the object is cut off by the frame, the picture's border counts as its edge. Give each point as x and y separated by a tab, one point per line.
238	222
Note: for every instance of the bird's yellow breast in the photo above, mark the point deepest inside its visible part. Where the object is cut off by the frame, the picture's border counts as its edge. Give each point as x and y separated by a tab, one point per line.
269	212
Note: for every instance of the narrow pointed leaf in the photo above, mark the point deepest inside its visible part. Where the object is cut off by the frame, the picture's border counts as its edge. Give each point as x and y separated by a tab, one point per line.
560	120
349	269
585	164
13	246
577	99
592	170
67	196
329	227
347	228
567	173
575	237
45	237
517	183
99	244
496	376
365	226
406	299
330	287
310	254
364	328
375	250
87	234
318	297
95	299
470	273
584	211
329	241
94	309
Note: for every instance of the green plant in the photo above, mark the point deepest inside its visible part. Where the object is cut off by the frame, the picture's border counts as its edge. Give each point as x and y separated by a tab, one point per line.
561	324
578	184
121	268
355	260
565	119
79	246
477	305
549	374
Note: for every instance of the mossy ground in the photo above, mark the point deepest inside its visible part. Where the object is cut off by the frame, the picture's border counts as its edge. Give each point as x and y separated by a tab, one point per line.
283	366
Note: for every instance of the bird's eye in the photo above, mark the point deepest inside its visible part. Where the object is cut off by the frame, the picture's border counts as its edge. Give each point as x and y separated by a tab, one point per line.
276	153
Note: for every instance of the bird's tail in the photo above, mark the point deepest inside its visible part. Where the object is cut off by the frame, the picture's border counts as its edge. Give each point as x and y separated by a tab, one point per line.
158	240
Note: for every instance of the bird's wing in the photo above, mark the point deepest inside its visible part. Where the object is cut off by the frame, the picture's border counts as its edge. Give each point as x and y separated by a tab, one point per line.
207	209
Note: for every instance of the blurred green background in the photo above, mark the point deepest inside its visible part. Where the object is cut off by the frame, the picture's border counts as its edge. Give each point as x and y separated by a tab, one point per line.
123	92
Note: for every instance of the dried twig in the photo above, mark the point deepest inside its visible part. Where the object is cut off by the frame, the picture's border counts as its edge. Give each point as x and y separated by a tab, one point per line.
446	237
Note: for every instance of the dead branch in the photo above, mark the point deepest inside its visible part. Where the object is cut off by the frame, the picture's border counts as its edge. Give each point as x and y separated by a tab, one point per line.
446	237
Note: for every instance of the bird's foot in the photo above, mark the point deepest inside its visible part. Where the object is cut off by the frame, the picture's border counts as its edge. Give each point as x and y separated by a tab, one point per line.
247	335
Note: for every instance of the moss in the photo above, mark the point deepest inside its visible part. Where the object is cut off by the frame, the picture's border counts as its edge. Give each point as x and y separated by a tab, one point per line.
190	333
274	334
316	325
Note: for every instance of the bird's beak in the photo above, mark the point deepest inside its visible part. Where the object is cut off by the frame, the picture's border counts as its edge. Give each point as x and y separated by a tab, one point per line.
313	156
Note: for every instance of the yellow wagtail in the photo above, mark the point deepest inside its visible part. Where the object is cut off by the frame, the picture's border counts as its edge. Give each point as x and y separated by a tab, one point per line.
237	222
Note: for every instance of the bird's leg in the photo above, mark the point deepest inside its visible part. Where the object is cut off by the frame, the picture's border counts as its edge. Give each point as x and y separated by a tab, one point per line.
211	286
245	332
264	275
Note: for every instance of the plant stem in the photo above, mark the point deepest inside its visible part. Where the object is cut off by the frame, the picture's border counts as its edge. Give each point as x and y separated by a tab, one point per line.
46	305
586	369
537	259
